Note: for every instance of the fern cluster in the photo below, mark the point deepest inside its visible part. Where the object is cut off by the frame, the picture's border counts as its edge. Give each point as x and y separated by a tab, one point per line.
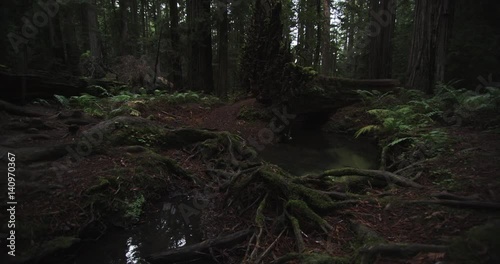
128	103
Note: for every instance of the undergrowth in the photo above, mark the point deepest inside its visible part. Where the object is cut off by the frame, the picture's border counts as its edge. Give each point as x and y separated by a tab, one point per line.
411	123
122	102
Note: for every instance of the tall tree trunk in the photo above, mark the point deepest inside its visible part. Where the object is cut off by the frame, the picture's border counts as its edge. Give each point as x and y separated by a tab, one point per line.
158	30
432	27
93	29
176	74
308	54
301	29
200	73
351	58
143	27
326	55
124	38
134	26
319	27
382	14
223	34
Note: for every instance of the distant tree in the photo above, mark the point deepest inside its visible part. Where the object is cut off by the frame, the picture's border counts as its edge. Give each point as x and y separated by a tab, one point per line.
431	32
383	17
200	75
223	39
326	52
175	52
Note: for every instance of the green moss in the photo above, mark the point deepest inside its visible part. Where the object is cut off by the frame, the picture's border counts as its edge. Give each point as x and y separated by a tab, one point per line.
100	186
133	209
300	208
259	215
250	114
314	199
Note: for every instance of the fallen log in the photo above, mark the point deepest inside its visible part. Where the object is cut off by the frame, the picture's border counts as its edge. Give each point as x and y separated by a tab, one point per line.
17	110
200	250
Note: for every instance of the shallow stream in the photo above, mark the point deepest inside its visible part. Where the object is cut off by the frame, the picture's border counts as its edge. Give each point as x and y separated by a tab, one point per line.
165	227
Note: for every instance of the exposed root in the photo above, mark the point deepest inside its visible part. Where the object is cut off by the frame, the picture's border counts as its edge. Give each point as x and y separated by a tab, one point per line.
299	241
450	196
376	174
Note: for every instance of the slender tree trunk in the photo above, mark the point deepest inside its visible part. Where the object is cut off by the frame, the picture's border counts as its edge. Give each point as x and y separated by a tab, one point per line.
351	57
301	29
124	37
200	73
93	29
326	55
319	27
431	32
382	14
134	26
223	34
308	54
176	75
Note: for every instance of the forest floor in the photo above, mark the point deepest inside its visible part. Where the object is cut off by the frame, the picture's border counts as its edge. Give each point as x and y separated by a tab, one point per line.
51	206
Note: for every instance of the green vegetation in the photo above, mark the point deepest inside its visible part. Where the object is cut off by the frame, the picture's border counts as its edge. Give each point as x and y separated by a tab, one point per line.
250	114
101	103
411	122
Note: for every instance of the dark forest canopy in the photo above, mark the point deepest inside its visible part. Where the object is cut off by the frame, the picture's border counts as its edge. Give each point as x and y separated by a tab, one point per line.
201	45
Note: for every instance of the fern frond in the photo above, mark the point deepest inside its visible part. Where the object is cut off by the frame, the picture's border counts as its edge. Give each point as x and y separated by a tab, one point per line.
367	129
62	100
397	141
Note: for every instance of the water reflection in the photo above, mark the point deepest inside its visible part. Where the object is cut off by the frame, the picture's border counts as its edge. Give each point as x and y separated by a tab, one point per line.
314	152
161	230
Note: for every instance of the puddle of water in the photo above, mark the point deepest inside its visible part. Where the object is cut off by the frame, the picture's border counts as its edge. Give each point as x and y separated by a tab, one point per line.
314	152
162	230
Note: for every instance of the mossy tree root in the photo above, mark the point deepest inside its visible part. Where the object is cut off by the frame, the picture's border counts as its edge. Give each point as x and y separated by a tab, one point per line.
376	174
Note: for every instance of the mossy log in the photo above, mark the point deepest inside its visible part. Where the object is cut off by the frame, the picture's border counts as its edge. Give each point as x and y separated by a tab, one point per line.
45	85
327	94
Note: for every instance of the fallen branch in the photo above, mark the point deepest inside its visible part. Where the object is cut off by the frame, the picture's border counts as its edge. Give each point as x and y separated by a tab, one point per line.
376	174
200	250
467	204
450	196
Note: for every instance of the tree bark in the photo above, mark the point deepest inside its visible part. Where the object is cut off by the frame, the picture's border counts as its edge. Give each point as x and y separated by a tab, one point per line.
326	56
200	75
93	29
431	32
123	27
223	34
176	74
383	17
